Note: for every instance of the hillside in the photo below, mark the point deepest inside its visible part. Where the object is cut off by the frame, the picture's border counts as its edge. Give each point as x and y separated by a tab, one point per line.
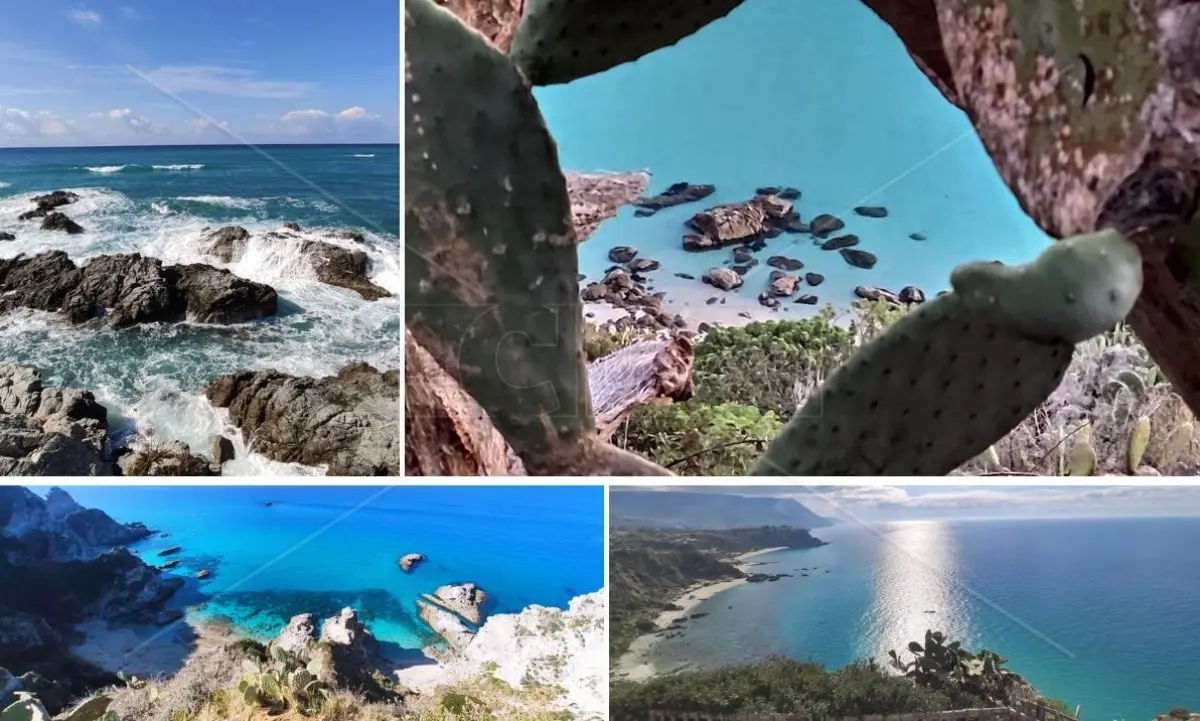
648	568
631	509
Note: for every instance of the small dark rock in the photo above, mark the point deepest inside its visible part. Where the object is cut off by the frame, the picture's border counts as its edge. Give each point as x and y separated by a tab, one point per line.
911	294
222	449
622	253
711	300
723	278
685	276
871	211
807	299
7	236
814	279
859	258
595	291
788	194
784	263
940	293
824	224
842	241
695	243
643	213
869	292
917	236
643	264
292	226
742	254
59	221
772	231
767	300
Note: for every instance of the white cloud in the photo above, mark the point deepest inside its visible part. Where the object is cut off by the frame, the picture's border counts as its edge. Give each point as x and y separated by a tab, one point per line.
29	123
309	122
85	17
356	113
215	80
126	117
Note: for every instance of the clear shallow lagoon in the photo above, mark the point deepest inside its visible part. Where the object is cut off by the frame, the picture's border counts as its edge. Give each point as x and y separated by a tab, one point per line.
1101	612
156	201
816	94
311	551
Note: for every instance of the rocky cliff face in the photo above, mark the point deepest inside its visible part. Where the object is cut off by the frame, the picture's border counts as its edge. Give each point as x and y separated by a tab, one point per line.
61	564
546	647
57	529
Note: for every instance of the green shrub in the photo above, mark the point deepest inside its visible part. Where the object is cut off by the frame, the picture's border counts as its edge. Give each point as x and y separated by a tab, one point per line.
760	364
778	685
695	439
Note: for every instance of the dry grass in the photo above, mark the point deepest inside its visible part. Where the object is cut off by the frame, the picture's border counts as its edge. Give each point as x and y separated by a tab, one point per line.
487	698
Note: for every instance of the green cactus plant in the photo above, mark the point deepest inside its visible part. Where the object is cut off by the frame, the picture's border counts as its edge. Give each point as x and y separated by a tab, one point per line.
491	289
93	709
559	41
1083	454
1139	438
282	681
1176	445
25	708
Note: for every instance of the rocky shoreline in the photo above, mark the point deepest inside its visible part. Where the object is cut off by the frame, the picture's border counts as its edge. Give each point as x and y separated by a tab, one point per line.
744	229
349	423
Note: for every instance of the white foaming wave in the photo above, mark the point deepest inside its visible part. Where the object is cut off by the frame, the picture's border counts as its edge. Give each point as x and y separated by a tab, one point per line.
106	168
5	185
364	155
224	201
183	166
161	209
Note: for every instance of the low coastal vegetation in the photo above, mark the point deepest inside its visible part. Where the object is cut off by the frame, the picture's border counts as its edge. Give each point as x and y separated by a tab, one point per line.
1113	413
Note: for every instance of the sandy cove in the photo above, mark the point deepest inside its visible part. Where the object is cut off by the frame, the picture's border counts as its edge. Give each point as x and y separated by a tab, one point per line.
148	651
636	664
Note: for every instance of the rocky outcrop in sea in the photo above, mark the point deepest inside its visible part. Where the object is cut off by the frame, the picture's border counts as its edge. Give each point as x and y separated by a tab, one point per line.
332	264
349	422
129	289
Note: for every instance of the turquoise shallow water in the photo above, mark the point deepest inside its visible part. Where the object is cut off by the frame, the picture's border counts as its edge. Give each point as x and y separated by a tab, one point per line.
1100	613
320	549
816	94
156	201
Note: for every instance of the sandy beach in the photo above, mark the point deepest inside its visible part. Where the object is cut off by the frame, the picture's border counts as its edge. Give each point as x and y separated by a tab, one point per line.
637	663
148	650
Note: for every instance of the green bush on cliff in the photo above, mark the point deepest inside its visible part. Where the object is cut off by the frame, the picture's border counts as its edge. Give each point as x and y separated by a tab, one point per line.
780	685
762	363
696	439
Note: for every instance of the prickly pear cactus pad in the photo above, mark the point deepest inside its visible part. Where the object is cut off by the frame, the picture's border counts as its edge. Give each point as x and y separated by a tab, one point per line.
955	376
490	274
559	41
1076	289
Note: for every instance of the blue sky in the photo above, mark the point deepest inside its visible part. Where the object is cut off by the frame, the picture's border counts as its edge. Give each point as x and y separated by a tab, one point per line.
901	503
147	73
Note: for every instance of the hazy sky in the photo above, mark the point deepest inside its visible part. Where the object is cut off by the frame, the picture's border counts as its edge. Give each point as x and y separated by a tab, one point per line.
872	503
148	72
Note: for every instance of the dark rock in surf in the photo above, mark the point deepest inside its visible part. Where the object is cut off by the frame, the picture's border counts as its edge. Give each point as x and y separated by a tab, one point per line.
871	211
824	224
814	279
349	422
59	221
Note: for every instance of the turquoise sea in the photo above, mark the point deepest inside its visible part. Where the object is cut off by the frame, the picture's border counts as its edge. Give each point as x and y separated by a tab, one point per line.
815	94
1101	613
320	549
156	201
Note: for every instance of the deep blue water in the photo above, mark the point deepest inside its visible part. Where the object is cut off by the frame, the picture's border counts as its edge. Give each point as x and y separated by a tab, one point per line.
1100	613
157	201
320	549
816	94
